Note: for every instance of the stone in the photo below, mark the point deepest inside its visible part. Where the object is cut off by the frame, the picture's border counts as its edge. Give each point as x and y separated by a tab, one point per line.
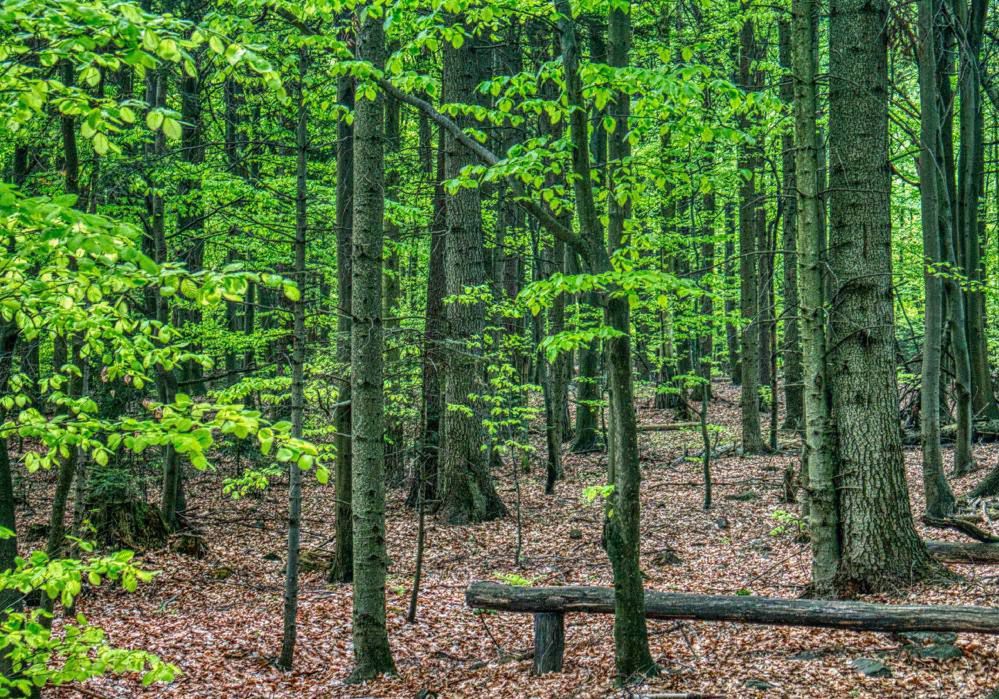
870	667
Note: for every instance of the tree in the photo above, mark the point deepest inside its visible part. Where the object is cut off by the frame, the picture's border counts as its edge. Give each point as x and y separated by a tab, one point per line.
467	492
879	544
371	649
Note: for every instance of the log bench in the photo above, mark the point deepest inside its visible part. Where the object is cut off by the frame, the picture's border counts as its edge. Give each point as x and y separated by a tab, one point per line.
549	605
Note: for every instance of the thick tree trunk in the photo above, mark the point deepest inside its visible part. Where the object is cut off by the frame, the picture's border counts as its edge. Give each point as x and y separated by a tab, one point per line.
371	648
880	547
467	492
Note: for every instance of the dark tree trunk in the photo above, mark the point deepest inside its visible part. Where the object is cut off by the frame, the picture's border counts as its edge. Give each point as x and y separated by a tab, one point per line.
297	368
749	263
371	648
342	569
791	349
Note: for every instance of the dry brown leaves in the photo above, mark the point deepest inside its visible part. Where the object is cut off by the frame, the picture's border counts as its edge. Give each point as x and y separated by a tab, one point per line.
219	618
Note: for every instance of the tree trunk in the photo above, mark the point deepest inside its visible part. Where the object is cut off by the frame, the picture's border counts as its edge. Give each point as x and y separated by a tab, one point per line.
791	349
394	435
749	258
970	185
939	498
371	648
880	547
424	487
818	453
467	493
297	368
342	569
622	524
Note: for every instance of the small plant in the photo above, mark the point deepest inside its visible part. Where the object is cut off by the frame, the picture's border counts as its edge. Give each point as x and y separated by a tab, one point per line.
514	579
592	492
788	523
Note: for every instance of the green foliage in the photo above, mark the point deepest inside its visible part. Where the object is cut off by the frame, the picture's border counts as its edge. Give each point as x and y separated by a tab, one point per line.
788	523
41	657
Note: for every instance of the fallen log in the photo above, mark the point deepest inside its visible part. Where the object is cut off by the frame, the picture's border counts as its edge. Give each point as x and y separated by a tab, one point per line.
667	426
963	526
964	552
982	430
549	605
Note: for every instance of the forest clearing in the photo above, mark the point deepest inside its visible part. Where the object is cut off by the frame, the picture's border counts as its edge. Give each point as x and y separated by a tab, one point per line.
514	348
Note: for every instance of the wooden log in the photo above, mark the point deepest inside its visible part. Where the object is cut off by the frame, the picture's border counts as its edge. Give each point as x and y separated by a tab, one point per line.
667	426
963	526
854	616
964	552
549	642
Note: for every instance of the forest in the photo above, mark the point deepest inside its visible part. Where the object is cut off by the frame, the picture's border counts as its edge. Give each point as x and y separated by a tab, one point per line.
494	348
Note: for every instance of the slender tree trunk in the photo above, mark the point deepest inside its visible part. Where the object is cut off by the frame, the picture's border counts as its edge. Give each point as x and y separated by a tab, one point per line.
434	334
971	169
791	349
394	435
9	598
731	329
342	569
939	498
621	528
297	368
749	275
372	654
880	546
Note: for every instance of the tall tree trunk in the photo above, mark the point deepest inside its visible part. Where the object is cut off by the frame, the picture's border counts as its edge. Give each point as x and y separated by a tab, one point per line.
297	367
880	546
424	486
371	648
467	493
731	329
394	435
621	527
818	452
749	265
342	569
791	349
971	176
939	498
9	598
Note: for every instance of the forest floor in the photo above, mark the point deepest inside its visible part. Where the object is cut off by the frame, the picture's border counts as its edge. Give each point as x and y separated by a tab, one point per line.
219	617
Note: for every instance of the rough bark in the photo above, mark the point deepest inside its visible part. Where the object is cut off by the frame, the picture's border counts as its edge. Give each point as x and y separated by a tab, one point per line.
371	648
880	547
748	609
467	492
